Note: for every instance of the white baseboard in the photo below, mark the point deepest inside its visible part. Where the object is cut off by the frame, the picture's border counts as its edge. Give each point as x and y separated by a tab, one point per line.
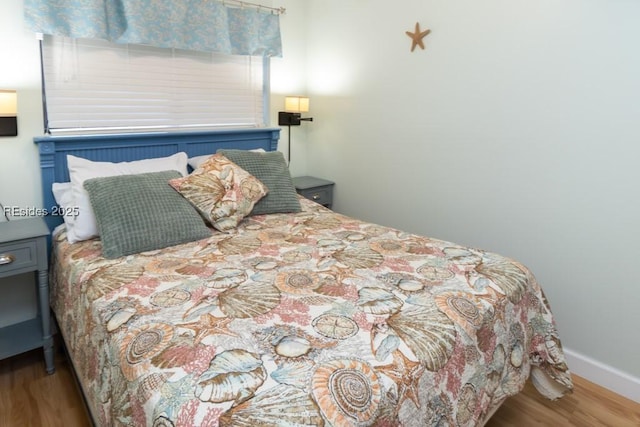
605	376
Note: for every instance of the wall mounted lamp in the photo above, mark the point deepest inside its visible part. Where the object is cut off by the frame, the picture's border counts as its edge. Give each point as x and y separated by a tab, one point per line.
294	106
8	113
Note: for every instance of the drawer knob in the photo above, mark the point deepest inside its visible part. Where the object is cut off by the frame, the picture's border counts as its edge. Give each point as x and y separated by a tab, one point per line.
315	197
6	259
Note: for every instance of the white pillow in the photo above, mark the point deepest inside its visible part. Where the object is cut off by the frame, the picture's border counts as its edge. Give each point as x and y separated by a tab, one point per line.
84	225
195	162
64	199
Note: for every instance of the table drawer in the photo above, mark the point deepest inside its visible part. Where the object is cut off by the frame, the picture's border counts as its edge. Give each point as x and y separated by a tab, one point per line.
322	195
16	256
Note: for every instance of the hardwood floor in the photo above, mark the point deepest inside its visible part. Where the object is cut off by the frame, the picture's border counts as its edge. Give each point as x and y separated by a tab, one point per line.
588	406
30	397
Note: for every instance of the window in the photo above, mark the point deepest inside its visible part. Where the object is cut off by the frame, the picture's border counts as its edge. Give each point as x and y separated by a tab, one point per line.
94	86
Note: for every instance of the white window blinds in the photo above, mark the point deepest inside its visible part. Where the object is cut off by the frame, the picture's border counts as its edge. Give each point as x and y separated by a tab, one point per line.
98	86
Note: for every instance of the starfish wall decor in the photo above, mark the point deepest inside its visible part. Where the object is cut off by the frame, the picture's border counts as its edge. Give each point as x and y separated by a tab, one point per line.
417	37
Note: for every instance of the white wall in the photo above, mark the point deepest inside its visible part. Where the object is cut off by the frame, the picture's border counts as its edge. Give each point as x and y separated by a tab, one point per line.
289	77
20	70
517	130
19	172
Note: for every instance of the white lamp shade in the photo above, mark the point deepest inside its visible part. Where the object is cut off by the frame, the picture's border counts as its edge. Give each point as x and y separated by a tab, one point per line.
8	103
296	104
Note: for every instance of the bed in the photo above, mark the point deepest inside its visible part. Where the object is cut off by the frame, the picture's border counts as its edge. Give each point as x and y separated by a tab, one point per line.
303	318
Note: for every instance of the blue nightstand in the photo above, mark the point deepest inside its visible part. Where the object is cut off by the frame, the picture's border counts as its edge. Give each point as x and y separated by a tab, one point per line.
317	189
23	249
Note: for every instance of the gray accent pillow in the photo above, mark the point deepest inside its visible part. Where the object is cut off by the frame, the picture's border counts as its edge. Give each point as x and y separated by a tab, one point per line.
142	212
272	170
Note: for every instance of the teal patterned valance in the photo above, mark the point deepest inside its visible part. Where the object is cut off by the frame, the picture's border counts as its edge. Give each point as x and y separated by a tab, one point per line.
203	25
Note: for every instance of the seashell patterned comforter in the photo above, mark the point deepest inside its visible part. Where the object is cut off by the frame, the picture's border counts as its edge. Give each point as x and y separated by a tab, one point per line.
303	319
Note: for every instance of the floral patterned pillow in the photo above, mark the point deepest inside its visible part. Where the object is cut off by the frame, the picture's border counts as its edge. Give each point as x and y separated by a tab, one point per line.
222	191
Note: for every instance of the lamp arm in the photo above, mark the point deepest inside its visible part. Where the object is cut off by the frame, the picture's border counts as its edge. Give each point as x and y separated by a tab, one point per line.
289	146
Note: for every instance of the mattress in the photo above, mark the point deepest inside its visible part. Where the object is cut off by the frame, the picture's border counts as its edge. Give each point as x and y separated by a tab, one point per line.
309	318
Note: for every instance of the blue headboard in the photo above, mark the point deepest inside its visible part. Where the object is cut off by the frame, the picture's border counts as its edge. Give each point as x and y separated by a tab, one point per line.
128	147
